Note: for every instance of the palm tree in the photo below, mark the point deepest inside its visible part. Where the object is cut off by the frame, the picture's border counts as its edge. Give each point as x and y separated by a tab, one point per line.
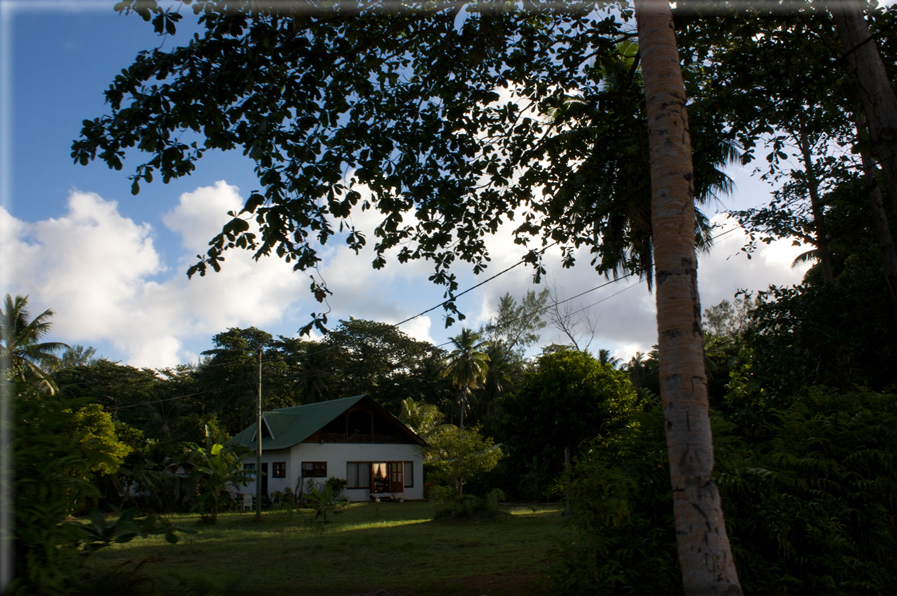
499	373
23	355
421	417
314	374
705	557
607	190
77	355
467	365
605	357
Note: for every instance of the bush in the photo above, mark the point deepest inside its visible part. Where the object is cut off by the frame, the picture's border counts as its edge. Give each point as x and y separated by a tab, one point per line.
50	483
457	456
338	485
622	506
809	509
814	514
53	459
326	502
449	505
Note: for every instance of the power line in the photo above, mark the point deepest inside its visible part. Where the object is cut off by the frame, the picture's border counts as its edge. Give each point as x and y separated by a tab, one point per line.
526	315
156	401
470	289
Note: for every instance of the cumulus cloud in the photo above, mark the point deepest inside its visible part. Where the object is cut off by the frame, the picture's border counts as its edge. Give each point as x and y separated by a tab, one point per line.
103	275
92	260
624	311
105	280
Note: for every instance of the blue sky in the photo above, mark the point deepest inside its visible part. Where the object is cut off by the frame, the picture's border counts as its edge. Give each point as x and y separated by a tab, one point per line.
112	266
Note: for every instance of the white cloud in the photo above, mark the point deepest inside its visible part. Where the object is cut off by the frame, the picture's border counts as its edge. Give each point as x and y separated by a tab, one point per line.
95	268
92	260
626	318
200	214
102	275
727	269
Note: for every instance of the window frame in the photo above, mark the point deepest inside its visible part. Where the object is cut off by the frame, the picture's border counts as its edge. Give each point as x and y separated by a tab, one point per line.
318	469
353	480
279	469
408	472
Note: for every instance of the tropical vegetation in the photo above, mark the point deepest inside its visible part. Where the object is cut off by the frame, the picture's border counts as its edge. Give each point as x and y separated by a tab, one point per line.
455	121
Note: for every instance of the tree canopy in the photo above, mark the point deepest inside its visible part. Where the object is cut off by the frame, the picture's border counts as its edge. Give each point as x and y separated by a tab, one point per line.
447	115
566	400
451	120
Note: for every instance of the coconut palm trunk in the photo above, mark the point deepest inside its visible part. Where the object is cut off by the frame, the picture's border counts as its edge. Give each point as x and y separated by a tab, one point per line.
705	557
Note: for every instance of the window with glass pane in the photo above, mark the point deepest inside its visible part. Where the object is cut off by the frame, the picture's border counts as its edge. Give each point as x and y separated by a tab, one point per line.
314	469
279	470
379	478
358	474
409	474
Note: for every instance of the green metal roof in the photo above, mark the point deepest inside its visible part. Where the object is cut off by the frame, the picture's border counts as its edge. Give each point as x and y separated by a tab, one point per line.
291	426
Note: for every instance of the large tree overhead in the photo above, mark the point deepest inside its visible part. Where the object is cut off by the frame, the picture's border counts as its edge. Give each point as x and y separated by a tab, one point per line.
443	113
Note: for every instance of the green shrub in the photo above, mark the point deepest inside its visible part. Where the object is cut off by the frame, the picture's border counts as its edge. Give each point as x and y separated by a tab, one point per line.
338	485
625	541
54	457
448	505
50	483
815	513
809	509
326	502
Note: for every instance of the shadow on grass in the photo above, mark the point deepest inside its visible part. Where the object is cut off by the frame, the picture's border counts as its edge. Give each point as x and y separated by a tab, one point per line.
394	547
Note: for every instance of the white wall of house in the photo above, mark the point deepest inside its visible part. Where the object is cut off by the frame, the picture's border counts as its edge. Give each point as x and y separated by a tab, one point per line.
337	455
270	458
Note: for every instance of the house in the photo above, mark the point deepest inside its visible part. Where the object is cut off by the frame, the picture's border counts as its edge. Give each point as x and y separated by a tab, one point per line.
352	438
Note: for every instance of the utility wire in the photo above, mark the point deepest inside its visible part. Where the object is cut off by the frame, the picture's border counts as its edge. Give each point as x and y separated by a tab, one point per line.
524	316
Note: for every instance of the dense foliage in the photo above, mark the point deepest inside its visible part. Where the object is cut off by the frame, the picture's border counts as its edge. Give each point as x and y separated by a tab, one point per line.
457	456
425	110
563	402
809	508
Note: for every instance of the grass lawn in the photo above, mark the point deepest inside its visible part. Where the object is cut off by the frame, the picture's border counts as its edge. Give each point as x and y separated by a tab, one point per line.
391	546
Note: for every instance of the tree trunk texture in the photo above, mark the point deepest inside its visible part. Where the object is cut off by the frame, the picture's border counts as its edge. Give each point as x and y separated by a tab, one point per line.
876	91
822	250
879	219
705	557
463	402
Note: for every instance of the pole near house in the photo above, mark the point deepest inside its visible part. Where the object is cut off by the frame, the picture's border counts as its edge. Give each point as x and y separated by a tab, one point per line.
258	448
567	473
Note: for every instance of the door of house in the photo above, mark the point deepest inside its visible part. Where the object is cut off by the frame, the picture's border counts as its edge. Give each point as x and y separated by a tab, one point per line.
396	476
379	478
265	479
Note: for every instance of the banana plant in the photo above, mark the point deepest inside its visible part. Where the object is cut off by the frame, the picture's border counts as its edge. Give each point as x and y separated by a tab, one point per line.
325	502
215	467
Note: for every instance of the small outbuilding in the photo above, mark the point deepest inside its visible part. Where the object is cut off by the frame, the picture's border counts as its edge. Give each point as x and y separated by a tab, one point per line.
353	438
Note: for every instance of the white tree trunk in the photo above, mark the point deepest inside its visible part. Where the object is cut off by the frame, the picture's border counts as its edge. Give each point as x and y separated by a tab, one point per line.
705	557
